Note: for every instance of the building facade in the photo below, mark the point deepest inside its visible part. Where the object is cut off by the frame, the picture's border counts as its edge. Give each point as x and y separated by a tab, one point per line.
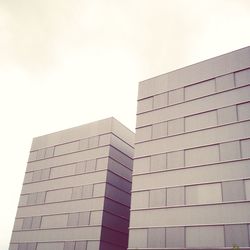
191	177
76	190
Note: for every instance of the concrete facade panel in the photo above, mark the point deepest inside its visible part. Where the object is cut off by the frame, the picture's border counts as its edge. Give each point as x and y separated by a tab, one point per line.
198	215
189	176
51	235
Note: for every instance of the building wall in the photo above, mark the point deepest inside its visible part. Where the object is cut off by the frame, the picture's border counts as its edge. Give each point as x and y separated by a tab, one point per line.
191	177
76	189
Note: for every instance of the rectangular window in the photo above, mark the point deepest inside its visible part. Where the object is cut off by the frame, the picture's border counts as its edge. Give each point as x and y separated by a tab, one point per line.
145	105
157	198
203	155
200	121
156	238
87	191
230	151
200	89
175	159
227	115
73	219
175	196
93	142
77	193
81	245
140	200
236	235
207	237
161	100
202	194
176	96
90	165
84	218
70	245
158	162
233	190
160	130
224	82
176	126
138	238
175	237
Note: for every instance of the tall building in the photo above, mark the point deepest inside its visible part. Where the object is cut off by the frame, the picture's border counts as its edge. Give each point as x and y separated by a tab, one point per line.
191	177
76	190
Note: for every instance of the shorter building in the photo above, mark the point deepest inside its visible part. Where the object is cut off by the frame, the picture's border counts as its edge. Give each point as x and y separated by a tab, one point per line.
76	190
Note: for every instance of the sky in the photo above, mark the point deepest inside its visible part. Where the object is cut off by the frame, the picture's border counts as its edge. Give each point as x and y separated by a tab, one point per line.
65	63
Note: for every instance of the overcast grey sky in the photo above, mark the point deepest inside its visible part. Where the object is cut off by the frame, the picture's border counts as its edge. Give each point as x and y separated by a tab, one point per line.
65	63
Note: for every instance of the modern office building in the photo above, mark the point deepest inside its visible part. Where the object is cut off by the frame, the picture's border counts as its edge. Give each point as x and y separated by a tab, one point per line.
191	177
76	190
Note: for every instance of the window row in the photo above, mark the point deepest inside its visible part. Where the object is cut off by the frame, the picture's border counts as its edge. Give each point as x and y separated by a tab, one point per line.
66	170
69	245
227	191
59	221
205	120
66	194
228	151
83	144
198	236
191	92
77	193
